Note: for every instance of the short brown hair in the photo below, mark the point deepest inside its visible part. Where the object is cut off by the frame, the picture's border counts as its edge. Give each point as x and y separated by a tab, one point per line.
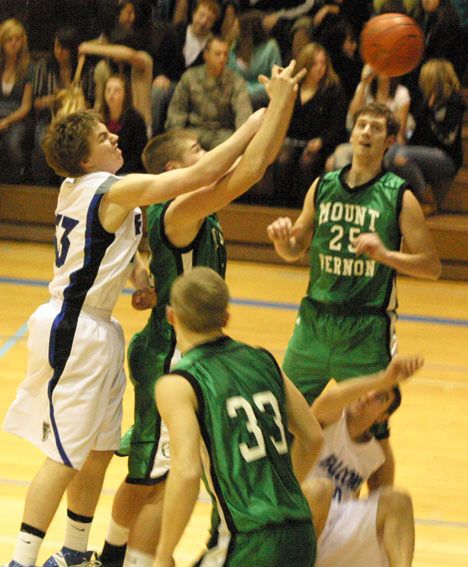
66	142
212	5
380	111
200	300
162	149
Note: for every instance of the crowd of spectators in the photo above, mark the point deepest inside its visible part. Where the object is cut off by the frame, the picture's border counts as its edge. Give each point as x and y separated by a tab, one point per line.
149	66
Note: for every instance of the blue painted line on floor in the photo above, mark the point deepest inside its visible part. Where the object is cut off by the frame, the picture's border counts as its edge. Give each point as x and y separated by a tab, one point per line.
271	305
11	342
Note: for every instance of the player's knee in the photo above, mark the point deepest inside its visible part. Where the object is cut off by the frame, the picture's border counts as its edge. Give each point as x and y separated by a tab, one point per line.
396	502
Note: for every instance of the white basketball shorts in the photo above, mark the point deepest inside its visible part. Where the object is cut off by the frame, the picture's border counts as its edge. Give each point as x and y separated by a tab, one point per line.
349	538
71	399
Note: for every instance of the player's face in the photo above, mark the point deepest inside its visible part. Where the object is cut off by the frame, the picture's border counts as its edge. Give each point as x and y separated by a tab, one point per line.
369	136
216	57
192	152
203	21
372	407
104	154
114	93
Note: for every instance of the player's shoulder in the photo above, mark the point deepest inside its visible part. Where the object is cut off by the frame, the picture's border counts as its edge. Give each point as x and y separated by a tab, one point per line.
392	180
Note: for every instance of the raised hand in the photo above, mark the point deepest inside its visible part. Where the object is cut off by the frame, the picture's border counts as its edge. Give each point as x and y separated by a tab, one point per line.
282	80
402	367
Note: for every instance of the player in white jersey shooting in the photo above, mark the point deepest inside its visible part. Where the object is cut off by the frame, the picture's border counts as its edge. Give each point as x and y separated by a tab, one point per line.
70	403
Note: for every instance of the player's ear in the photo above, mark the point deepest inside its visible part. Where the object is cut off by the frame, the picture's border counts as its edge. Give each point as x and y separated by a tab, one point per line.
171	165
170	314
226	318
390	141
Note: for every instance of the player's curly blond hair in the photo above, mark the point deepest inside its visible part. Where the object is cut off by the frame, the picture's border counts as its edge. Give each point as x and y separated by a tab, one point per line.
66	143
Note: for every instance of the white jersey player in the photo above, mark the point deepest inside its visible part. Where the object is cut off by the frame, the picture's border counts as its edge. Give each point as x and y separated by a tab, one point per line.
70	403
351	531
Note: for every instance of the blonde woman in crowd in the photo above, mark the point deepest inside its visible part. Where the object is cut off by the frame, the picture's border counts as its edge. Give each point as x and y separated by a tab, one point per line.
15	99
434	152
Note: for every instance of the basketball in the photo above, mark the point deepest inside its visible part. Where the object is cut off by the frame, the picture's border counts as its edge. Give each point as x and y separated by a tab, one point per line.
392	44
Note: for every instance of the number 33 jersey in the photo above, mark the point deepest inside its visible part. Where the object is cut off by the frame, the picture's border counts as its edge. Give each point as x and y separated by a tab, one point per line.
245	442
91	264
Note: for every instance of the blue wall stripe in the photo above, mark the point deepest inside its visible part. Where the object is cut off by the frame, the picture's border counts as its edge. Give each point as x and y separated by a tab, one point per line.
271	305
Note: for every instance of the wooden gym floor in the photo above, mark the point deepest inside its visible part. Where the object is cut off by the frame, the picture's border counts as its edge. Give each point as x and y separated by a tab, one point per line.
429	431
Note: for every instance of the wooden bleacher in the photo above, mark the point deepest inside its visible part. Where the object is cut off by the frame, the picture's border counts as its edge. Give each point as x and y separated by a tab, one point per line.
27	213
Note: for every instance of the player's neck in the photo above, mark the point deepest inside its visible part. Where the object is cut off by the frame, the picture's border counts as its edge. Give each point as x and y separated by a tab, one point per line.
187	340
362	172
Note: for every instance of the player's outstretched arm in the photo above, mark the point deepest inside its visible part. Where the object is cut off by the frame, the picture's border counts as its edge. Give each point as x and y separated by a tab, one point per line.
185	214
329	406
291	241
421	259
176	403
139	189
308	436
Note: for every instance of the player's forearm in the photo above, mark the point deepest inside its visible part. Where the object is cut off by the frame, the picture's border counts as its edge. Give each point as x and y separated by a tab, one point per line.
289	250
217	162
303	455
278	117
263	148
418	265
180	496
333	402
140	277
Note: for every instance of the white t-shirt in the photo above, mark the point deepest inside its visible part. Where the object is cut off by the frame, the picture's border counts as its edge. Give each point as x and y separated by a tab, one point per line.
193	46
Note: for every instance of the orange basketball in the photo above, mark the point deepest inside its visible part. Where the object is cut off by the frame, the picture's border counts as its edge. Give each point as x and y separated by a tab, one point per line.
392	44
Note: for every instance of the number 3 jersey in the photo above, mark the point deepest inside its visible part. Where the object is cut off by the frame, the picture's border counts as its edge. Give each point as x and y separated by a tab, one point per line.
91	265
245	443
338	276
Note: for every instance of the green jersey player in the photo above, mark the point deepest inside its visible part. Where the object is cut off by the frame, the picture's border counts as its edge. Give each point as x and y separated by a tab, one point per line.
182	233
231	412
353	222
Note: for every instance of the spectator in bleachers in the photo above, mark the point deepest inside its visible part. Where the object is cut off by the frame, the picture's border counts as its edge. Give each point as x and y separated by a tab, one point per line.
123	53
443	34
181	48
252	54
16	76
122	119
341	43
317	126
434	152
52	73
389	6
227	25
297	22
210	99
